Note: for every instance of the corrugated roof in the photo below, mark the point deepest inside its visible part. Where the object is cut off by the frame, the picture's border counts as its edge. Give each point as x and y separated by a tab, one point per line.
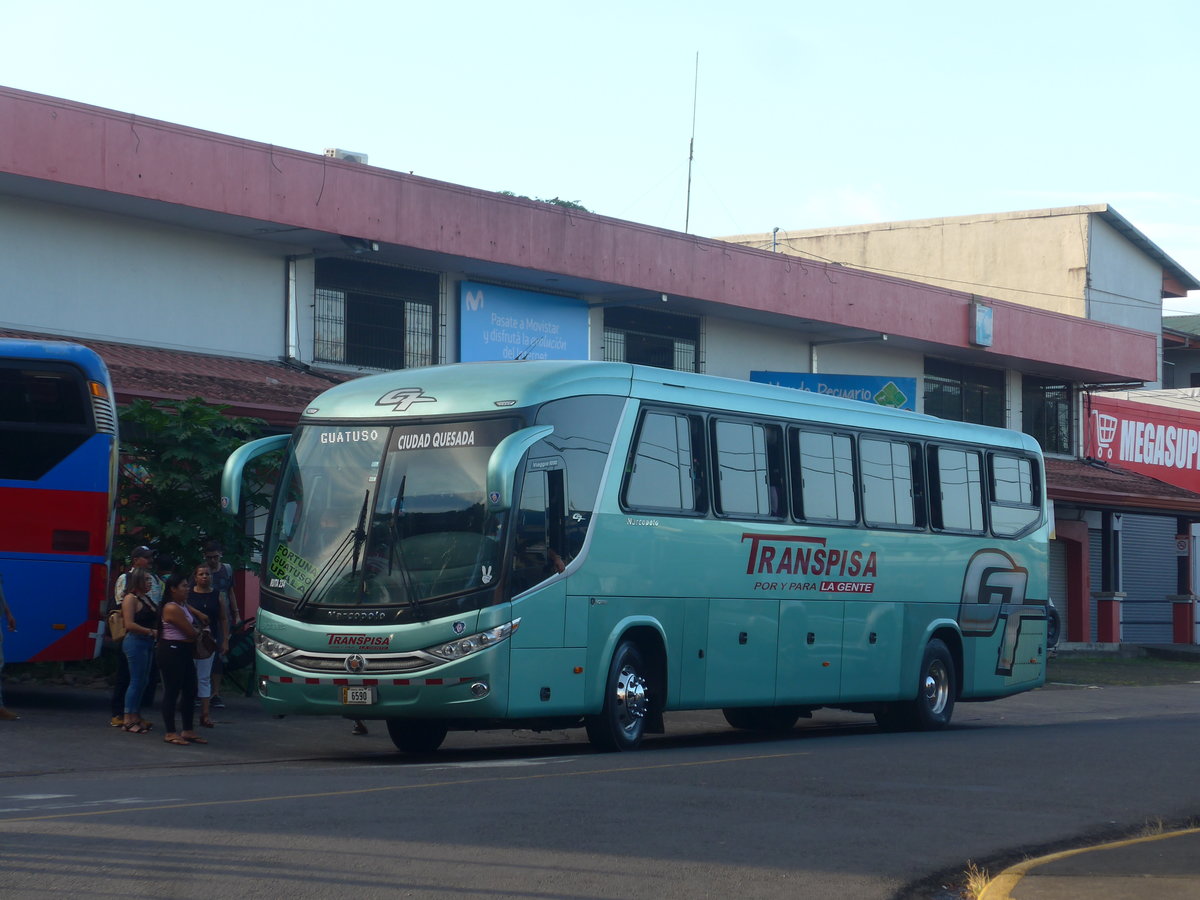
1101	486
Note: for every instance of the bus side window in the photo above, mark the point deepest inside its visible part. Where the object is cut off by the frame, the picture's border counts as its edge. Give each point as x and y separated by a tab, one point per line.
891	486
539	548
1013	495
666	466
956	501
748	468
822	475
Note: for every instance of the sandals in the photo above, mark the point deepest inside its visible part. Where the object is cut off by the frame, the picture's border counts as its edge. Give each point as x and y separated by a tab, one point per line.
175	739
136	727
193	740
208	723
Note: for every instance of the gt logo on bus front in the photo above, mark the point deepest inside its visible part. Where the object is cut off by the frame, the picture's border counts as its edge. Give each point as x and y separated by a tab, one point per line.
402	398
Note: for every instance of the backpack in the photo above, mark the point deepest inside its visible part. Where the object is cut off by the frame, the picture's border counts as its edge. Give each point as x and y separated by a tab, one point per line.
116	623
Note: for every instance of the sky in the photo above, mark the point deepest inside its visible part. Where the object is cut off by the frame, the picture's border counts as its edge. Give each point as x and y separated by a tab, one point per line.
795	115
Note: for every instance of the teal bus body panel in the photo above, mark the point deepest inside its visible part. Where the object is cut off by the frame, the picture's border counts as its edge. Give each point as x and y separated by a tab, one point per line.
747	612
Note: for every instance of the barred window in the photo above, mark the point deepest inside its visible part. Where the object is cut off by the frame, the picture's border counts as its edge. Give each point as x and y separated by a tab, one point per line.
380	317
1048	413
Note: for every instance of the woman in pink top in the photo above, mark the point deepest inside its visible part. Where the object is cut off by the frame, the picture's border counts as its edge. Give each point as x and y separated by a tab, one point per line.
174	652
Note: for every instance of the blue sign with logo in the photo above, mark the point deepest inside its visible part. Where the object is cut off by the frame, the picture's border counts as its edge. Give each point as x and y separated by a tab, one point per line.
505	323
881	390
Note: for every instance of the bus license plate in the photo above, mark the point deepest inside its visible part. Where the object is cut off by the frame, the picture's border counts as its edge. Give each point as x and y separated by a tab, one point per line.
358	695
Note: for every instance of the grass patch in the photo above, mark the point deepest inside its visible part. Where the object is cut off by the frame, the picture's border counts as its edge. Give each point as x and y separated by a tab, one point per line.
1113	670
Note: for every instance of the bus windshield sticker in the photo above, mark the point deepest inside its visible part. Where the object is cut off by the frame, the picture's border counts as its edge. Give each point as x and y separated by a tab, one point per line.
293	569
437	438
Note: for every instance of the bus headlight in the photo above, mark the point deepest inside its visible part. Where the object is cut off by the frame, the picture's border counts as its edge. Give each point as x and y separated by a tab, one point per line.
271	647
465	646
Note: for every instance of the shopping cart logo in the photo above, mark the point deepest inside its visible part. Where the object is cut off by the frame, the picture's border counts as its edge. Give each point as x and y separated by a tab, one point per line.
1106	433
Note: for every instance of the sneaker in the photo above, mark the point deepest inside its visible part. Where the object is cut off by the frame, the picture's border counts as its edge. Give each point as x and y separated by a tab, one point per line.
7	715
116	721
216	702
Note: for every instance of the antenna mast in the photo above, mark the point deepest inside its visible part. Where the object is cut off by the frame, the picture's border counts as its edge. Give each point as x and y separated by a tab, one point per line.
687	215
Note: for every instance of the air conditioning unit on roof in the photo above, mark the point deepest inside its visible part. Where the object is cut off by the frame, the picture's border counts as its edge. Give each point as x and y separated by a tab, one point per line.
347	155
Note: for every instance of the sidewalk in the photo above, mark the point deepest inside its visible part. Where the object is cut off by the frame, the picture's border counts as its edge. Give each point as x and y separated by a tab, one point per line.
1163	866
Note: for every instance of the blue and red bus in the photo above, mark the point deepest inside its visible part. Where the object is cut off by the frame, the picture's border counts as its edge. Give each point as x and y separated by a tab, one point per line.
58	483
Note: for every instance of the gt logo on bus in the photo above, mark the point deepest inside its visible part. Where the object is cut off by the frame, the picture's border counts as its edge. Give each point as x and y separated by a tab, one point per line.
402	398
994	588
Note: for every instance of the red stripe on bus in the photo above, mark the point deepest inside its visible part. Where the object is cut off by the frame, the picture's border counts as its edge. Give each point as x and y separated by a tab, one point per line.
33	515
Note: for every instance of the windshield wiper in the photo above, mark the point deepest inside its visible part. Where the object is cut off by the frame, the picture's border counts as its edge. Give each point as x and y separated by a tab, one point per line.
346	551
396	552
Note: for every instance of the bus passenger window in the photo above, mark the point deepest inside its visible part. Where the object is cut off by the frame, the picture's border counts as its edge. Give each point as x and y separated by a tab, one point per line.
666	470
749	474
1014	504
887	482
822	467
958	502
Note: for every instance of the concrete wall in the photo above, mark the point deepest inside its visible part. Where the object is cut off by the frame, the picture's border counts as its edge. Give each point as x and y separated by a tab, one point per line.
68	271
1125	284
1037	261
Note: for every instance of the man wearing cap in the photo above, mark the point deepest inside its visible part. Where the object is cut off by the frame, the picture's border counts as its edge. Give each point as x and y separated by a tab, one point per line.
141	558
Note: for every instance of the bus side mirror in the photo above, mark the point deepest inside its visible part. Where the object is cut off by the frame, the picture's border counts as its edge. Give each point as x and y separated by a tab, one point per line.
502	465
231	478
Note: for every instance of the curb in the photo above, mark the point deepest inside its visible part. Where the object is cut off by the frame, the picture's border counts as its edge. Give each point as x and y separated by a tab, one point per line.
1001	887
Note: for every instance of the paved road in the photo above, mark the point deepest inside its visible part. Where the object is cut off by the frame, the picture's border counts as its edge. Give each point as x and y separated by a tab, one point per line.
837	809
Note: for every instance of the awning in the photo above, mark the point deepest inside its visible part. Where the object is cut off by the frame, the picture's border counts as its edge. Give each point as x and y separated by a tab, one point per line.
272	390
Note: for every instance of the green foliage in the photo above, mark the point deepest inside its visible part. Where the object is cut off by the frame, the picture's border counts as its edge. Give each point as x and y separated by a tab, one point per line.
173	453
553	201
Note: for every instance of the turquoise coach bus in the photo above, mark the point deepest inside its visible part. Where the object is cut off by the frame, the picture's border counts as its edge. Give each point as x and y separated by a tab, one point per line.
547	544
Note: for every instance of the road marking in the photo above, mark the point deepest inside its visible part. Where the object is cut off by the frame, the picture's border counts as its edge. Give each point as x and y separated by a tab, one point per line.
394	788
112	801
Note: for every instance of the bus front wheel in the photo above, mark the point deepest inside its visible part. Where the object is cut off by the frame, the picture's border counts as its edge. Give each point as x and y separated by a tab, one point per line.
622	722
416	736
936	690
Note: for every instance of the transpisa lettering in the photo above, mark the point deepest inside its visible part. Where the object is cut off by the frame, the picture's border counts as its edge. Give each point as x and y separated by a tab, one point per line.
361	641
773	554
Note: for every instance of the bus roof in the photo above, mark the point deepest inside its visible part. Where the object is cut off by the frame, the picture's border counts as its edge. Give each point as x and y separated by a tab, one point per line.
480	387
83	358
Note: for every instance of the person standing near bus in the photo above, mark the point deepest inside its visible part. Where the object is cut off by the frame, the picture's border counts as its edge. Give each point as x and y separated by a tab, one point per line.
6	714
222	583
141	560
202	598
176	661
140	615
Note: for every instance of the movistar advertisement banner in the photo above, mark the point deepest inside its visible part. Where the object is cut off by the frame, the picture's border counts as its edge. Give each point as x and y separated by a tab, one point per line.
504	323
1160	441
882	390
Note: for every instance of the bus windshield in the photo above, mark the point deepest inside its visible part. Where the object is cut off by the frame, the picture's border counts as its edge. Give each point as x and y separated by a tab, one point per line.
379	516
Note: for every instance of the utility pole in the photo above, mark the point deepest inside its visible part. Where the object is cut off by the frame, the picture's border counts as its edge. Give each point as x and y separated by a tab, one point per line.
687	215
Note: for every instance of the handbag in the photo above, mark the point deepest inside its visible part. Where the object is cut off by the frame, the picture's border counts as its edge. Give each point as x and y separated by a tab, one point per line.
206	644
116	623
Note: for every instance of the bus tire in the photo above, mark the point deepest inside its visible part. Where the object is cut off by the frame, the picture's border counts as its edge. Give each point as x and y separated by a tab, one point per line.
417	736
767	719
622	721
936	690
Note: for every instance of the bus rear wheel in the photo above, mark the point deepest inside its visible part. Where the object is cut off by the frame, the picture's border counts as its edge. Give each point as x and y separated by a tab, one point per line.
769	719
622	722
416	736
936	690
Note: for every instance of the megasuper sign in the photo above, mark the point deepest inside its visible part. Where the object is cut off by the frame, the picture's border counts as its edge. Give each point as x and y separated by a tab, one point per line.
1160	441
